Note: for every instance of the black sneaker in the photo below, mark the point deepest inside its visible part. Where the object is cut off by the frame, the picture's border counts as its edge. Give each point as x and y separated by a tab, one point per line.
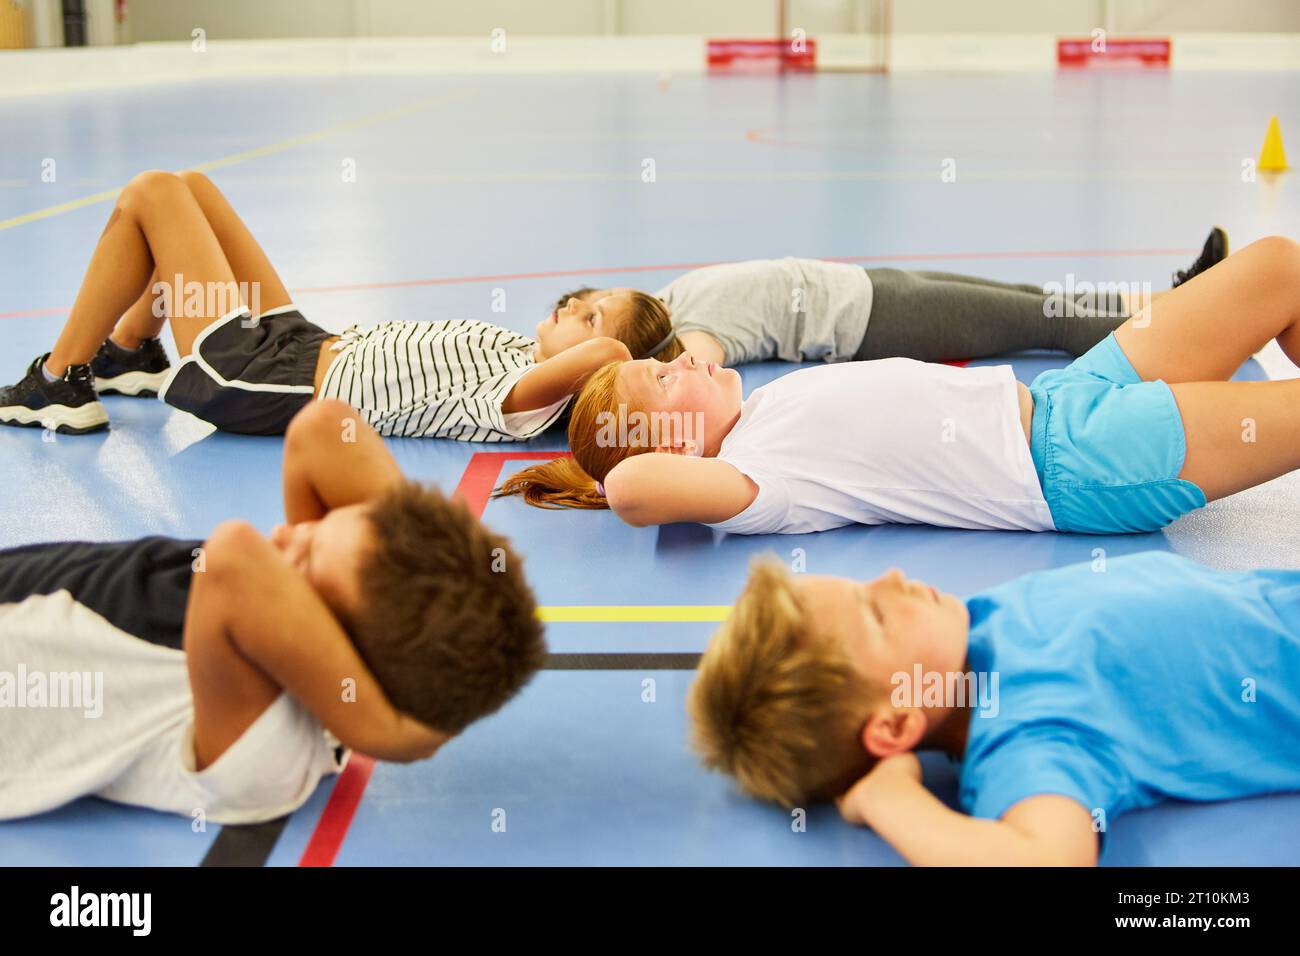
120	371
1213	252
68	404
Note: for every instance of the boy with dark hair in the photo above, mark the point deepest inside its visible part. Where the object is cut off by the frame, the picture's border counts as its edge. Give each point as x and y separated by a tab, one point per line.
220	675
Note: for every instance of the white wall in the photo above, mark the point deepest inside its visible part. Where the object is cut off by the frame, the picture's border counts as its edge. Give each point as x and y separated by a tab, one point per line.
479	18
249	19
1082	16
1004	16
43	20
241	19
1209	16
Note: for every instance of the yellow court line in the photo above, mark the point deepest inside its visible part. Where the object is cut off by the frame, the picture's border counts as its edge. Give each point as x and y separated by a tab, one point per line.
633	613
110	194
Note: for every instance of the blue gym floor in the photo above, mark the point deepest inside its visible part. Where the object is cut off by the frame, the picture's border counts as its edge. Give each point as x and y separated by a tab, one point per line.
534	185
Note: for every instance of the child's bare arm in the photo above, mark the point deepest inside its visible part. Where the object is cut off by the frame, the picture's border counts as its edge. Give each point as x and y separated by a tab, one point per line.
255	626
333	458
703	346
660	488
1043	830
564	374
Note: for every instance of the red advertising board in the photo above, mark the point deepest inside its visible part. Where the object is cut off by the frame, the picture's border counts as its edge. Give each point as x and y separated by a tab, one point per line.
762	55
1090	52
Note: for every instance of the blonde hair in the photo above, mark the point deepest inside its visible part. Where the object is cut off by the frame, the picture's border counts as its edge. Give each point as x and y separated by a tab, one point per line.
776	705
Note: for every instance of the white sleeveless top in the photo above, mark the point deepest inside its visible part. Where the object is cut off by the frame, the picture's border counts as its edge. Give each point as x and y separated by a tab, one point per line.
444	379
889	441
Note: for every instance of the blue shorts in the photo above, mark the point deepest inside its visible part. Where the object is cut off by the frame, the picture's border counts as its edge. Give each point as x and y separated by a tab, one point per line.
1108	446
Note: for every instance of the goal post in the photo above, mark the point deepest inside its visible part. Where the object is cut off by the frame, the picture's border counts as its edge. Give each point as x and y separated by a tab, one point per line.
849	35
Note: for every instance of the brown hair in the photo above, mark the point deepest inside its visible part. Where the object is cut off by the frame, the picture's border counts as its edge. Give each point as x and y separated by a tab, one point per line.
650	324
571	482
447	625
777	705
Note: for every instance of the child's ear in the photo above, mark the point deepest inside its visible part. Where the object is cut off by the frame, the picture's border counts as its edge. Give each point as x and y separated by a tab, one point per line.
893	730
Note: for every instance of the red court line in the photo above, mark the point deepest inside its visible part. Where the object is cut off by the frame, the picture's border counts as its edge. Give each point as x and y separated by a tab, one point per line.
475	487
335	819
483	470
687	266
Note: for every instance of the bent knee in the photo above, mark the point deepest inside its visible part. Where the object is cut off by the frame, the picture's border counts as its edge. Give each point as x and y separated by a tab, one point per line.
192	179
1279	255
149	187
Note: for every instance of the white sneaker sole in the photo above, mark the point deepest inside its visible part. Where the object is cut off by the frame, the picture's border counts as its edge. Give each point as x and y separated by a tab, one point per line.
132	383
59	418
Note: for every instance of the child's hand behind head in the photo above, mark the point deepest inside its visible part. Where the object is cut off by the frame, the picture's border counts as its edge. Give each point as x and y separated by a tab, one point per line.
856	801
328	552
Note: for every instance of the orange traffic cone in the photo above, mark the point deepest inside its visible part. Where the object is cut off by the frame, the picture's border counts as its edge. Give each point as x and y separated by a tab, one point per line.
1272	155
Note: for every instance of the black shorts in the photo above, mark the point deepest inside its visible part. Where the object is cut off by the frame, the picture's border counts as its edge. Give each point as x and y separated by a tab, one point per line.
249	376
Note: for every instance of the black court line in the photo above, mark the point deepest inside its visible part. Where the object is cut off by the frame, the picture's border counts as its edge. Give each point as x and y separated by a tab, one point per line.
247	845
621	662
251	844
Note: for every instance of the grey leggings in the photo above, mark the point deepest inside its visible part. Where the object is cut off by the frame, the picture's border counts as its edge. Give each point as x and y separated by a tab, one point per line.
940	316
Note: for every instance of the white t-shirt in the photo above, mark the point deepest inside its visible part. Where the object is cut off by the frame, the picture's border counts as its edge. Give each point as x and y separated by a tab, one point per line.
95	693
888	441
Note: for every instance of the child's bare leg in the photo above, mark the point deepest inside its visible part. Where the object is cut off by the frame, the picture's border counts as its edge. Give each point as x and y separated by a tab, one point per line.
1135	302
140	321
1239	434
246	257
156	220
1206	328
119	268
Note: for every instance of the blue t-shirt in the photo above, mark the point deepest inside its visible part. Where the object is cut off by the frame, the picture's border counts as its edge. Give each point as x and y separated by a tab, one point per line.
1155	678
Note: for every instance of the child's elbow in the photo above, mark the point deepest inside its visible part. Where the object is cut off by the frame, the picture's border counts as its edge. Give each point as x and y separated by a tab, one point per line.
622	498
1062	853
416	756
319	421
614	350
228	548
1079	858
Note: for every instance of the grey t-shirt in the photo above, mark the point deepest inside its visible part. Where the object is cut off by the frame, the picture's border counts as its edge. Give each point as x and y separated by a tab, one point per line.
791	309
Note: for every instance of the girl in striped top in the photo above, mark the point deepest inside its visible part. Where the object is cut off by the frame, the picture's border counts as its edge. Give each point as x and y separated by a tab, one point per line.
175	253
473	381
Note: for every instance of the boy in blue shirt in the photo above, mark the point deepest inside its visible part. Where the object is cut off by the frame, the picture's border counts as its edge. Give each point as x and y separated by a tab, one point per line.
1071	696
